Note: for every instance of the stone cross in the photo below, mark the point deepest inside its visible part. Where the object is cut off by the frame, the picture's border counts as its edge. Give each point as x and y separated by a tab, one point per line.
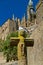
21	44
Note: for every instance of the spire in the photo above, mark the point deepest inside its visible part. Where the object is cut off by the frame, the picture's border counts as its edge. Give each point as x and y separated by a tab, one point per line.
30	2
16	19
24	15
13	17
24	18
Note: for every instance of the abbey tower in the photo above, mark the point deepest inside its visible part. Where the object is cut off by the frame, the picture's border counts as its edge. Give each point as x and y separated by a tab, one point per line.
31	15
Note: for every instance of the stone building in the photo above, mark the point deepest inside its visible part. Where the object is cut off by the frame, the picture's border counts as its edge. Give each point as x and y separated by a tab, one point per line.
35	53
12	25
23	22
32	18
8	27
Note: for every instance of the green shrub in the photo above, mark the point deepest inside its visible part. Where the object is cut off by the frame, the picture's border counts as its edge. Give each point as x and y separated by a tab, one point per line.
9	51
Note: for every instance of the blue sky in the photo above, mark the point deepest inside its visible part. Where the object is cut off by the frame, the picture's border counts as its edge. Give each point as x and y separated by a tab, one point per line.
10	7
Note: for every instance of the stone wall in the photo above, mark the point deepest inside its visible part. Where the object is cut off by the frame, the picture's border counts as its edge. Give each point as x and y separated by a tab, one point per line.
8	27
35	53
4	30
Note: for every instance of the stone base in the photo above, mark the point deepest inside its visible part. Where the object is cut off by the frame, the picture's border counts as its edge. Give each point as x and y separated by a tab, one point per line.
22	62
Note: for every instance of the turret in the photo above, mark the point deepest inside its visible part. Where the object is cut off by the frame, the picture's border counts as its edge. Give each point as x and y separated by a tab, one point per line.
13	17
23	22
30	11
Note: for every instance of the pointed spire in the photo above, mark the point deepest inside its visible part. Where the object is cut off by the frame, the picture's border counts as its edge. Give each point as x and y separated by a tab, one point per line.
24	18
24	15
13	17
16	19
30	2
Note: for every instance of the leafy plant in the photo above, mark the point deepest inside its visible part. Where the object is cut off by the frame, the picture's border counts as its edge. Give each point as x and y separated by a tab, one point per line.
9	51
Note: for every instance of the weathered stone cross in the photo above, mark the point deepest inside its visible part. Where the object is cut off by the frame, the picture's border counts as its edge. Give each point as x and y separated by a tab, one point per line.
21	44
